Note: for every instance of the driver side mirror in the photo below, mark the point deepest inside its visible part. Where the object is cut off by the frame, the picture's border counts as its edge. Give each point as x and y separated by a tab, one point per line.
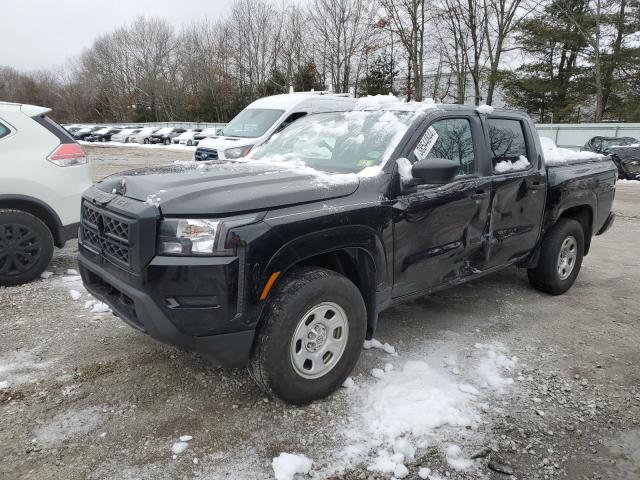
435	170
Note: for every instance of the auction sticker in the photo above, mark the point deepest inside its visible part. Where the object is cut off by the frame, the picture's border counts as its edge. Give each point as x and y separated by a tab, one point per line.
426	143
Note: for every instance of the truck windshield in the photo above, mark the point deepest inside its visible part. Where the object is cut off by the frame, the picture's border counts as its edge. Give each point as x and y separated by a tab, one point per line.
341	142
251	122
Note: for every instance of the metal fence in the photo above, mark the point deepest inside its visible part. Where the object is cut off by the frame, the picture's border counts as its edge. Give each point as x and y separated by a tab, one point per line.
575	135
566	135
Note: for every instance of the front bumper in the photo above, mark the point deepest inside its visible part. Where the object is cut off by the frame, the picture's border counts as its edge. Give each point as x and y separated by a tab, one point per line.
156	140
177	301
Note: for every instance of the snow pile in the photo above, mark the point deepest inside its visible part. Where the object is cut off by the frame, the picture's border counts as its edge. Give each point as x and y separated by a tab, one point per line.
287	465
97	306
404	169
485	109
75	294
563	156
492	366
456	460
373	102
422	403
508	166
373	343
629	182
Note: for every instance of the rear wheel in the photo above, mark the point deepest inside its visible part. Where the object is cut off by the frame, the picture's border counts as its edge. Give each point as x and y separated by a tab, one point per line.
167	141
146	141
26	247
189	143
310	336
560	258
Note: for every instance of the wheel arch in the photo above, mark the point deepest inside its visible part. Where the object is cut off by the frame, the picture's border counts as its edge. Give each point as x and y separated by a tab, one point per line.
38	209
362	259
584	215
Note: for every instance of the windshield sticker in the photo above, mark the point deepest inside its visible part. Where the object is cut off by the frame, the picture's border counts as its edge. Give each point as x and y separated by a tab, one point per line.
426	143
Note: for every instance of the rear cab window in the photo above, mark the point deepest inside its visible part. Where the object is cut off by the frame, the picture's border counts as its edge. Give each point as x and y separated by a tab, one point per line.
508	145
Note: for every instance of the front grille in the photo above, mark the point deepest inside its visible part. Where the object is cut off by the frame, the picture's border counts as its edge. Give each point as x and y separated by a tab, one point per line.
105	233
206	154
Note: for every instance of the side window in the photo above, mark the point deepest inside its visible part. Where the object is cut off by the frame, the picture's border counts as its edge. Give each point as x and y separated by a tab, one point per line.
451	139
289	120
4	131
508	145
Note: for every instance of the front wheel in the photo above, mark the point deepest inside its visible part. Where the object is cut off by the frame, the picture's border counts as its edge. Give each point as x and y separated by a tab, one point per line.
189	143
560	258
26	247
310	336
146	141
167	141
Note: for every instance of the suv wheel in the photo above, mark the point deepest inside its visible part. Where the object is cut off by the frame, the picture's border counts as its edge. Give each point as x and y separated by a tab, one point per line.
310	336
26	247
560	258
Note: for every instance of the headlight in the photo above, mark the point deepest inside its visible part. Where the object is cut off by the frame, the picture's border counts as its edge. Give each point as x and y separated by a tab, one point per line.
194	237
237	152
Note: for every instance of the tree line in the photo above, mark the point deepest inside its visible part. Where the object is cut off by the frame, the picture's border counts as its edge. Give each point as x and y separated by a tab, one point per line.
559	60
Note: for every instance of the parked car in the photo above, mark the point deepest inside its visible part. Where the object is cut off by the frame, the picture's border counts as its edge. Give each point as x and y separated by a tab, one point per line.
44	172
186	138
206	133
123	135
602	145
103	135
165	135
254	125
84	132
627	159
143	136
283	262
73	128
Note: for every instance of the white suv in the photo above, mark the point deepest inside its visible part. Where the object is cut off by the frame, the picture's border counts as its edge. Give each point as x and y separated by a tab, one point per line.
44	172
254	125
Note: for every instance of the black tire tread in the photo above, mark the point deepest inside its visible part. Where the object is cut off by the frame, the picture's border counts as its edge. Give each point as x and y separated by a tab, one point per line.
544	276
285	290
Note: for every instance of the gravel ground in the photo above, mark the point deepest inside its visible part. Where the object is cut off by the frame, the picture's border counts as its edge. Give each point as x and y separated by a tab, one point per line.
82	395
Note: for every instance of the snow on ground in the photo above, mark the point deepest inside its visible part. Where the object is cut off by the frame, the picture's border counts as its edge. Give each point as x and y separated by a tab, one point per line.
287	465
624	181
434	401
68	425
173	146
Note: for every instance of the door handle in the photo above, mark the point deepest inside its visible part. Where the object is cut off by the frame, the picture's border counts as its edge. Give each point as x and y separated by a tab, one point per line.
480	194
536	186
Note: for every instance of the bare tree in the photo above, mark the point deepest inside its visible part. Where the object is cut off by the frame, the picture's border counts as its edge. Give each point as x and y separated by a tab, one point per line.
341	28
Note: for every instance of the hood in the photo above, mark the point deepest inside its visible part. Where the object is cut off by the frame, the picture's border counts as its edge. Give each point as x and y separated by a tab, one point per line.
224	188
222	143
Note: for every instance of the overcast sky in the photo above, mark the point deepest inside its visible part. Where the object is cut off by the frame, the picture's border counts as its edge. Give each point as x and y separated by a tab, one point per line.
37	34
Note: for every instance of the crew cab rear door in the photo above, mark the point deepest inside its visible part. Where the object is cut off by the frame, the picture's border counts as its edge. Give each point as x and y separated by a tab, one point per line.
440	230
518	188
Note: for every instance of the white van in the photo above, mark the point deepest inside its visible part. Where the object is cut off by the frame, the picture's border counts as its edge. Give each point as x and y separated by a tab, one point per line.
260	120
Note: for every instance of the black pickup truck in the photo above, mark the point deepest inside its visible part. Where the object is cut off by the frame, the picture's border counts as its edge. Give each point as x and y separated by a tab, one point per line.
284	260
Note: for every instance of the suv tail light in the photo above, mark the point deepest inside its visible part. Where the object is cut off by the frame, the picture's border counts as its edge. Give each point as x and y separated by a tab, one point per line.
67	154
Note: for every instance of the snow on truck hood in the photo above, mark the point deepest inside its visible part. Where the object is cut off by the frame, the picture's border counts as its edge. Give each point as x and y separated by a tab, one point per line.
223	188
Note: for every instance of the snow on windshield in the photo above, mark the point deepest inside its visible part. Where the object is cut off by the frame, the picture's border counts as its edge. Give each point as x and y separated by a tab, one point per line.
340	142
147	130
103	130
165	130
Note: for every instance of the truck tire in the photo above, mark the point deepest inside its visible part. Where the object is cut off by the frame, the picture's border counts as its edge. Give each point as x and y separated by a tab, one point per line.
560	258
309	337
26	247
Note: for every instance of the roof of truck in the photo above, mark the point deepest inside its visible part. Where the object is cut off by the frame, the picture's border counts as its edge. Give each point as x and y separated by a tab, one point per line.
288	100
